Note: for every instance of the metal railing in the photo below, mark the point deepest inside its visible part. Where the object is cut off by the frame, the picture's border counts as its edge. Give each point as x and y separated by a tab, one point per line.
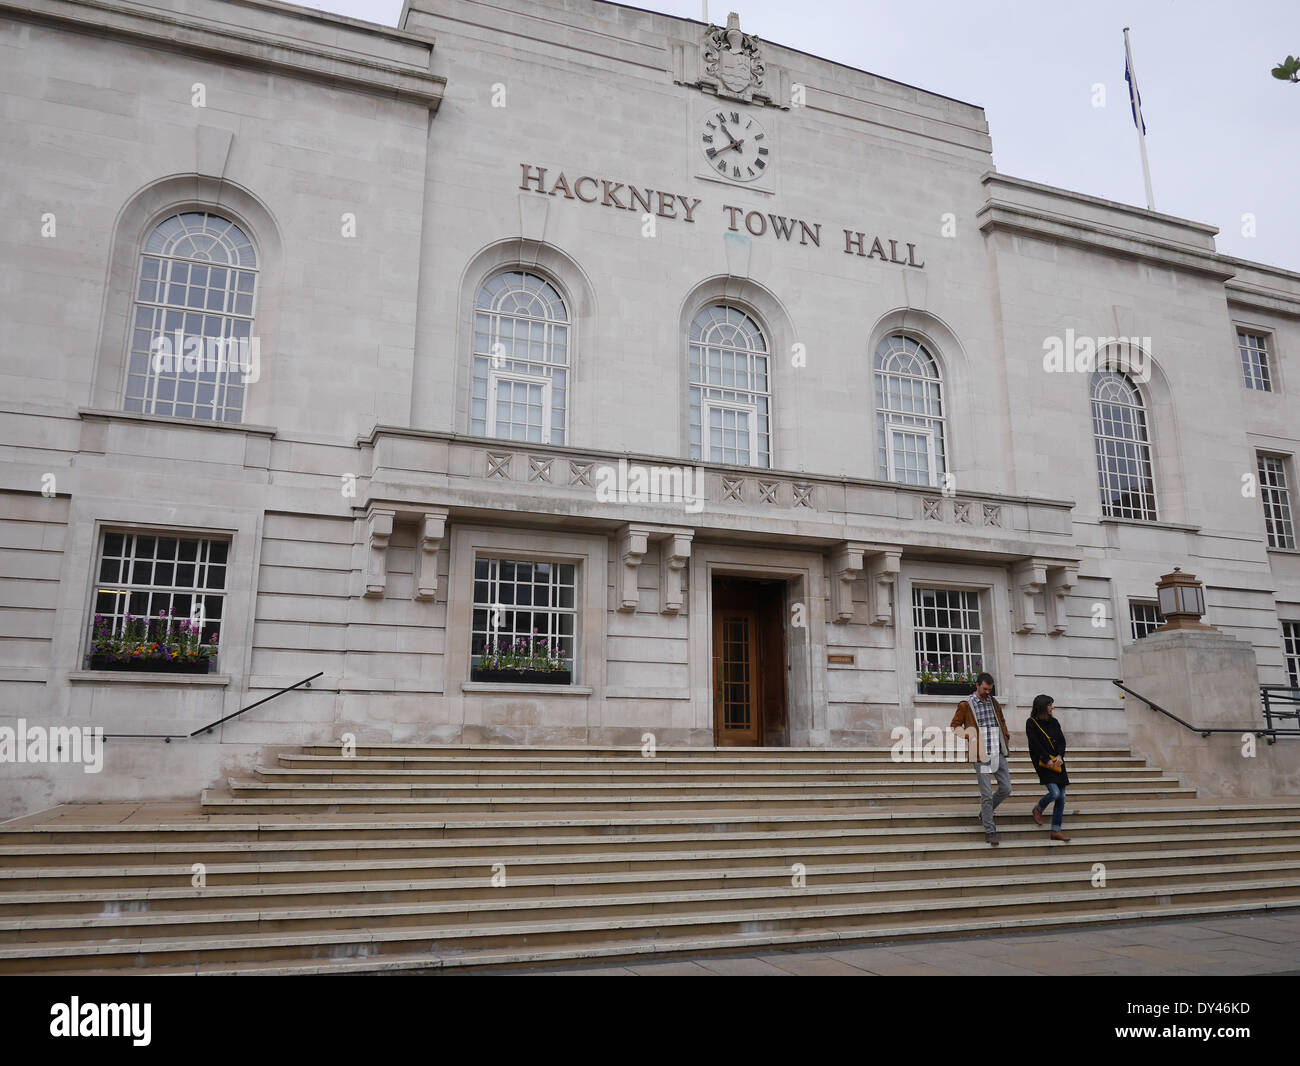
1268	731
1273	696
167	738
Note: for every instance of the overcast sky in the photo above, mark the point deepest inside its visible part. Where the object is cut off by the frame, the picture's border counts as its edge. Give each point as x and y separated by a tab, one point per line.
1221	130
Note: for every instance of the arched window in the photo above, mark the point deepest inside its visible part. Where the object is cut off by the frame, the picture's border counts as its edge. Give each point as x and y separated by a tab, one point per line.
730	398
909	413
521	359
1119	425
192	323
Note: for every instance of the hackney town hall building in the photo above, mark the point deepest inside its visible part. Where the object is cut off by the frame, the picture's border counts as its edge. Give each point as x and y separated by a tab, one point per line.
556	371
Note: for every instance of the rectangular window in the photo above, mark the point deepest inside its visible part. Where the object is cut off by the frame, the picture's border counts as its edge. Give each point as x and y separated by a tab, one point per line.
948	631
1254	360
520	407
1276	496
1144	617
911	455
1291	645
144	574
522	607
732	436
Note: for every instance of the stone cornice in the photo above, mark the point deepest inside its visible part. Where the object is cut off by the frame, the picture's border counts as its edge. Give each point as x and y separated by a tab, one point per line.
280	51
991	178
1258	298
1047	225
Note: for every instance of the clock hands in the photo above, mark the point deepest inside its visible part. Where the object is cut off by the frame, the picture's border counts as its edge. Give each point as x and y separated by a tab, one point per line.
716	126
726	147
734	143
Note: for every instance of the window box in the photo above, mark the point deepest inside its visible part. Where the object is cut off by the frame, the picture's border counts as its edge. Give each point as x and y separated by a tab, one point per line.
159	600
945	688
522	677
154	666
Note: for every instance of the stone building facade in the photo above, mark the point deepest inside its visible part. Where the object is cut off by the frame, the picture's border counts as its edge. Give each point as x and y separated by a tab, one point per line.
738	377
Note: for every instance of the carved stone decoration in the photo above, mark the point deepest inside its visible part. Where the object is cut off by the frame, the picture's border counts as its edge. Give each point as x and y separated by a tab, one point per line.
932	509
632	544
539	468
1027	580
498	465
674	554
882	578
993	515
803	494
846	567
433	527
1060	580
733	489
961	512
379	528
580	473
767	491
732	64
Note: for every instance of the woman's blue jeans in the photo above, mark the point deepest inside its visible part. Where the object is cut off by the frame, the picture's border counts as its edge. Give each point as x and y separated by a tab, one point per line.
1055	795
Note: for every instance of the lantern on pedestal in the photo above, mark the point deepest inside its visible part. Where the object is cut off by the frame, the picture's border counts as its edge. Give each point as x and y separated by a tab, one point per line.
1182	601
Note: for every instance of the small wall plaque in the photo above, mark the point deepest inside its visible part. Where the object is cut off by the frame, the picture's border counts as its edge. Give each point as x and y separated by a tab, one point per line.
836	658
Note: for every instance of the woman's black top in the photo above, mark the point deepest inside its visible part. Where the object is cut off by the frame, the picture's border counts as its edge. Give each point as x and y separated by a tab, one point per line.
1045	740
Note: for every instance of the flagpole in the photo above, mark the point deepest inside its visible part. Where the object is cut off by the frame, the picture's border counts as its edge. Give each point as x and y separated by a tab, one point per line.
1135	98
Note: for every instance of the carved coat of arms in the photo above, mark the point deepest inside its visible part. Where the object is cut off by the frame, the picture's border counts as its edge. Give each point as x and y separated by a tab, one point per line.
731	60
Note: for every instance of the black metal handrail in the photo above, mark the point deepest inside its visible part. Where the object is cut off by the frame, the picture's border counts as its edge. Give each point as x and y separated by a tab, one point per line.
1268	731
167	738
1287	695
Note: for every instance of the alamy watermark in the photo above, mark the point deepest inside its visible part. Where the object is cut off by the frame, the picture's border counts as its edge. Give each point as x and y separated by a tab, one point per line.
75	1018
634	483
177	353
922	743
22	743
1075	354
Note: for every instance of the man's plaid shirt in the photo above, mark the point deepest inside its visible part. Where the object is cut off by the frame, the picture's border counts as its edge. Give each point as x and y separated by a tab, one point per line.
986	717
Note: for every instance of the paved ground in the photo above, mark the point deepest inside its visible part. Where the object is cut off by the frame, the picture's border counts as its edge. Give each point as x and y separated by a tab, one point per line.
1220	947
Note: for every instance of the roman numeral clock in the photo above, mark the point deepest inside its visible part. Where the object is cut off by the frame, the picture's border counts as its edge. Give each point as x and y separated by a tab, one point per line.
735	144
732	131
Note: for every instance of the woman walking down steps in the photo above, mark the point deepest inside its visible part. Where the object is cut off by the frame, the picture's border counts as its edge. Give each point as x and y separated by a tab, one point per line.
1047	750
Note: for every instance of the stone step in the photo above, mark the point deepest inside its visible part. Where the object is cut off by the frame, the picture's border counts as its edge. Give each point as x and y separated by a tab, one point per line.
900	774
901	787
306	860
855	760
251	797
809	918
608	874
382	860
451	911
958	814
361	959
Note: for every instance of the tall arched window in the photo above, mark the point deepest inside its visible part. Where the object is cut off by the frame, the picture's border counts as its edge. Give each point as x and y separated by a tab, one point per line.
521	359
730	397
909	412
192	324
1119	425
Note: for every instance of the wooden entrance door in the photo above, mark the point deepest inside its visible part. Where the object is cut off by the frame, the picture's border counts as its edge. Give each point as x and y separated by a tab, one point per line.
737	716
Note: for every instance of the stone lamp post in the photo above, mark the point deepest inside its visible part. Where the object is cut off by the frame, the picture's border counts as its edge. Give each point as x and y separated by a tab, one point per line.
1210	679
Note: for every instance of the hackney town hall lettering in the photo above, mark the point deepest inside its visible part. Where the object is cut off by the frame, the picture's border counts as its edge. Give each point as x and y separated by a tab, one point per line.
647	201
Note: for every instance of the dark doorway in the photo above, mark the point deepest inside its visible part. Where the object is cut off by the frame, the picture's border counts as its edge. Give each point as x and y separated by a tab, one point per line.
749	662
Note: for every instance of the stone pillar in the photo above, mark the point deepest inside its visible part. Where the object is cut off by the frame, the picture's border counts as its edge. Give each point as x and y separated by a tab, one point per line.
1209	679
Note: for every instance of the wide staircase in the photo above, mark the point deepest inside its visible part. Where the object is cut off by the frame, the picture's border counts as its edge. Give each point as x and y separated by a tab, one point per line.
414	857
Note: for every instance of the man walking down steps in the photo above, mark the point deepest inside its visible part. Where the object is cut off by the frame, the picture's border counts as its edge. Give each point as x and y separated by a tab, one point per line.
980	720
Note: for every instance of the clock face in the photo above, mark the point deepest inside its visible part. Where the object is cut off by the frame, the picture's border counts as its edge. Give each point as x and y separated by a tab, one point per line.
735	145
